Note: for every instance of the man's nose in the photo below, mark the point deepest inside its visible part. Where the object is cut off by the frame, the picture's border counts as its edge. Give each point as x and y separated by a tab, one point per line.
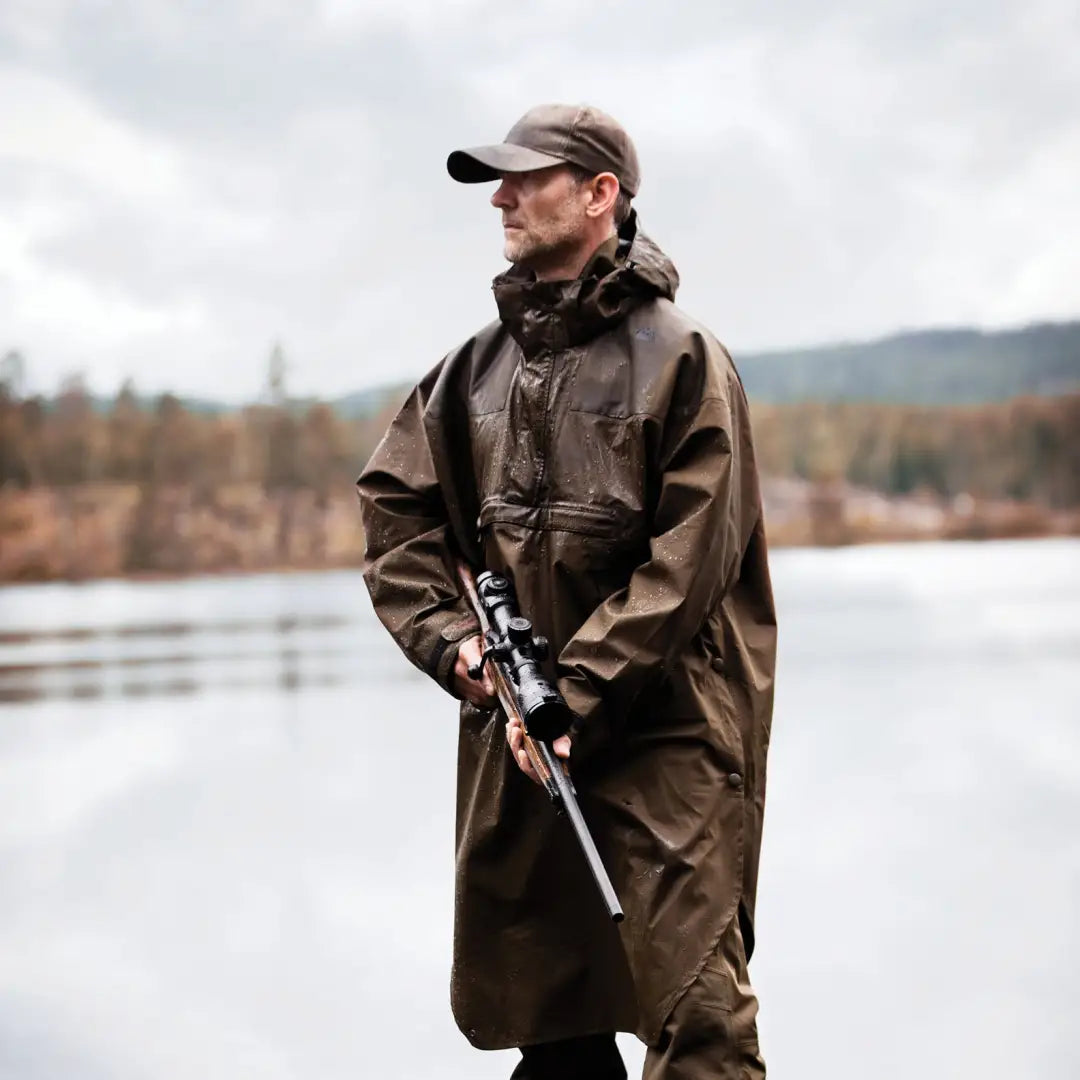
502	198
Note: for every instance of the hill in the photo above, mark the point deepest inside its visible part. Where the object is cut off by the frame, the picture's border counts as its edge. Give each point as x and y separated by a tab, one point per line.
926	367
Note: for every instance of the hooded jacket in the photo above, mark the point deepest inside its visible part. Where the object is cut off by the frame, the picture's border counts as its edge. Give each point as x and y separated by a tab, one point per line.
593	444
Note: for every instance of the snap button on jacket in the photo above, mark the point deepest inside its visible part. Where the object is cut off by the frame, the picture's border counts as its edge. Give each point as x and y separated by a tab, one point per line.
593	444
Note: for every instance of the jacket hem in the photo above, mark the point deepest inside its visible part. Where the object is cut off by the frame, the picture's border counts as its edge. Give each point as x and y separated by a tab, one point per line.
509	1042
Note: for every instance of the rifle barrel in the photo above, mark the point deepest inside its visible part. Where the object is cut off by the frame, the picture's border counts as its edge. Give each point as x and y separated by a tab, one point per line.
581	830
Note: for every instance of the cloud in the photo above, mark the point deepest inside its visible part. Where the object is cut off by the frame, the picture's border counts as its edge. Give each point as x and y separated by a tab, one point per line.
180	188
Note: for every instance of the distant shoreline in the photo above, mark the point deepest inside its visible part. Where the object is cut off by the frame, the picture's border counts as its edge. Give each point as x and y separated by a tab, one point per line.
96	532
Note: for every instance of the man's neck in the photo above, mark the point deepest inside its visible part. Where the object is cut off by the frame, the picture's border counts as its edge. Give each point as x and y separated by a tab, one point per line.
568	266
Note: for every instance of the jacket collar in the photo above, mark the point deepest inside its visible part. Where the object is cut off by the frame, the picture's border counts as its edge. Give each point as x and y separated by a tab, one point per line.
623	273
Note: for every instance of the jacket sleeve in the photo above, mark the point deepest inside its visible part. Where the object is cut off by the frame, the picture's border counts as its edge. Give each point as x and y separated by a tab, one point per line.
695	550
409	551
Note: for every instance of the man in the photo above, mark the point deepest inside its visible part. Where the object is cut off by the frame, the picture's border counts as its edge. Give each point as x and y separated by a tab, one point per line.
593	445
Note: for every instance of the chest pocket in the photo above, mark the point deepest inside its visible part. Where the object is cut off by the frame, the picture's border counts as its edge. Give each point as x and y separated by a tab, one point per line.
602	543
585	552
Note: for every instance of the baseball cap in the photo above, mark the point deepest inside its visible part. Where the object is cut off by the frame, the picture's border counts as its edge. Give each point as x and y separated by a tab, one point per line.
553	135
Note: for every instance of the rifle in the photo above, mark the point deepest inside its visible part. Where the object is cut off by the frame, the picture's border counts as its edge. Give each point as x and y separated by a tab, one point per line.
525	694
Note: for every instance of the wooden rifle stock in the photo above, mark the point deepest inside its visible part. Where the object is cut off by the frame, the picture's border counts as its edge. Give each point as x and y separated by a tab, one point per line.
502	684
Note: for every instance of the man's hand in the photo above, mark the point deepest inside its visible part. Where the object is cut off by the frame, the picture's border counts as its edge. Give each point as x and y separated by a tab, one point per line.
515	737
480	691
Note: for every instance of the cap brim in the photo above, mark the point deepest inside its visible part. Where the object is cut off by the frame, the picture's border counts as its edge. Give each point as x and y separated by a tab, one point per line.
481	163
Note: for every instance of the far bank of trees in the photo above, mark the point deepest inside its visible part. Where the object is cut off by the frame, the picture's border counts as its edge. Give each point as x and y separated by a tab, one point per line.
92	488
71	440
1026	449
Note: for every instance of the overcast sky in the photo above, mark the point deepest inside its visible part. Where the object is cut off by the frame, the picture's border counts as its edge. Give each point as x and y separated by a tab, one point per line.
183	184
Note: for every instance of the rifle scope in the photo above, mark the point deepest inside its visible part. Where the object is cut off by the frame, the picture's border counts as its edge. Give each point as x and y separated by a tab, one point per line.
511	642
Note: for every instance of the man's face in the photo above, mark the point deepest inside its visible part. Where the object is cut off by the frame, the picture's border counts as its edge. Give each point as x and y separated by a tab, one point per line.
543	215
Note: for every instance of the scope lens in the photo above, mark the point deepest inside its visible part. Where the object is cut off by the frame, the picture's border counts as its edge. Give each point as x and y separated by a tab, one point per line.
547	720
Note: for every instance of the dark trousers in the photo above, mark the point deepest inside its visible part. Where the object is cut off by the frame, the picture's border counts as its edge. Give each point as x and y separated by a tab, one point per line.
711	1033
591	1057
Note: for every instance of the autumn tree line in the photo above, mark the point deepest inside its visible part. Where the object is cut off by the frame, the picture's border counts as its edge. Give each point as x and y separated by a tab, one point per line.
1026	449
90	487
71	441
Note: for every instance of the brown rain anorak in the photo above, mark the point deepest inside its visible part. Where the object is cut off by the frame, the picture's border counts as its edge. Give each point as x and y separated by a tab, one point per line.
593	444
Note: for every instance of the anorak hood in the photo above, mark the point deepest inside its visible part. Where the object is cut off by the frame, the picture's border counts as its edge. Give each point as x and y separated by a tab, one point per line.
560	314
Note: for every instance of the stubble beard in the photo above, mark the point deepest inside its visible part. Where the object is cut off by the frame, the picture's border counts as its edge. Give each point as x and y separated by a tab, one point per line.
527	247
545	243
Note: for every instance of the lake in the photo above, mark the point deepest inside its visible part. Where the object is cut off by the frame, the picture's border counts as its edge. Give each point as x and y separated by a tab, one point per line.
226	828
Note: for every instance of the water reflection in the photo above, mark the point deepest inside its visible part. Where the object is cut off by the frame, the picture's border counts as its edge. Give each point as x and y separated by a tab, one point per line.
130	660
282	624
288	680
227	827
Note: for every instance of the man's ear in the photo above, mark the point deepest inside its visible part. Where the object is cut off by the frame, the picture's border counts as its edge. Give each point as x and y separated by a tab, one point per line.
605	190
